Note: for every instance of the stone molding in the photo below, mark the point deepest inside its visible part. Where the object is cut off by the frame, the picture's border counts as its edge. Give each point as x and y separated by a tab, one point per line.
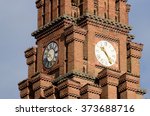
40	76
90	88
55	24
71	75
107	37
69	94
68	83
108	77
108	72
126	77
23	84
38	3
30	52
74	29
107	23
49	91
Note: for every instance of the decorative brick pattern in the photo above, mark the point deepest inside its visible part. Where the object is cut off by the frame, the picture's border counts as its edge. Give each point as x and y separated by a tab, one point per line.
76	27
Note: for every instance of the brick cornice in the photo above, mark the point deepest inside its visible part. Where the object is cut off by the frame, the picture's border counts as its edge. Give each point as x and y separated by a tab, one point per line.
49	91
74	39
141	91
88	88
134	49
39	87
22	95
69	94
95	20
135	46
30	52
130	37
53	26
108	77
124	88
122	0
38	3
107	37
40	76
68	83
72	74
23	84
128	7
74	29
108	73
127	77
106	23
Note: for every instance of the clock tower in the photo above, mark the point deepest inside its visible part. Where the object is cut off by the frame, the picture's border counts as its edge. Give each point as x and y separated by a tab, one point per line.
84	50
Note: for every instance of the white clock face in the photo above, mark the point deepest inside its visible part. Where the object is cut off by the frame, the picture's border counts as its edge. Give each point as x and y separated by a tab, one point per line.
105	53
50	55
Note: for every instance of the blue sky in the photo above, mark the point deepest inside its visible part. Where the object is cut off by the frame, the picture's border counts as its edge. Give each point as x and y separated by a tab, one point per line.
18	21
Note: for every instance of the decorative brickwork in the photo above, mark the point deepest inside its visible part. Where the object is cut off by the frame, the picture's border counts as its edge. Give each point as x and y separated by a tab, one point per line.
83	69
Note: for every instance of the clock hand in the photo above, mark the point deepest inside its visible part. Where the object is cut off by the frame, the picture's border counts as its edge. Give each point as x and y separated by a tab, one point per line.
109	59
49	56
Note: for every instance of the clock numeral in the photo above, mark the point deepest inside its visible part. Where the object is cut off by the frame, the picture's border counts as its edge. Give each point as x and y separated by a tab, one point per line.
105	43
98	56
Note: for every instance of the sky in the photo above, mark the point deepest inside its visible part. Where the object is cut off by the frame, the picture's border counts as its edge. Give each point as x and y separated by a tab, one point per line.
18	19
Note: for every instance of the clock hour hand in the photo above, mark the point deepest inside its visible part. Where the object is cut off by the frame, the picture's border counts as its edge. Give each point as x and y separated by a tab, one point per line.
48	56
109	59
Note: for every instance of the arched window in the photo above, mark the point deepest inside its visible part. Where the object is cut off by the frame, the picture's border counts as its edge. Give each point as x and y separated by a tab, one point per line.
84	69
81	7
51	9
58	8
96	7
117	18
43	13
75	15
117	5
106	9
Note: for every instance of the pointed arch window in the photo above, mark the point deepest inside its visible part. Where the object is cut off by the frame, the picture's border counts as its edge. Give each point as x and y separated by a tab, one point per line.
96	7
81	7
43	13
58	8
51	10
117	17
106	9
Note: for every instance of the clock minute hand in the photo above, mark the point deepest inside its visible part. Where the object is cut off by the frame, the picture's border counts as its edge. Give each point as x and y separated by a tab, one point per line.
49	56
109	59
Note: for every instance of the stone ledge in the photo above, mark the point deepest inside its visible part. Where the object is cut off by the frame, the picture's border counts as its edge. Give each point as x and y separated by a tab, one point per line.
95	89
71	74
92	18
23	84
129	78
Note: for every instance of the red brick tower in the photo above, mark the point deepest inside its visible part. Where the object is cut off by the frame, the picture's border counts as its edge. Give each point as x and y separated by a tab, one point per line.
84	50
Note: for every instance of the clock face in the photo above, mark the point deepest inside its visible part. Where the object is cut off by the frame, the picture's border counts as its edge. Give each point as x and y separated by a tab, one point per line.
105	53
50	55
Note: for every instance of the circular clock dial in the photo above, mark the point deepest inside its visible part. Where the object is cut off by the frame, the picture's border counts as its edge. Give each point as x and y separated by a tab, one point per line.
105	53
50	55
